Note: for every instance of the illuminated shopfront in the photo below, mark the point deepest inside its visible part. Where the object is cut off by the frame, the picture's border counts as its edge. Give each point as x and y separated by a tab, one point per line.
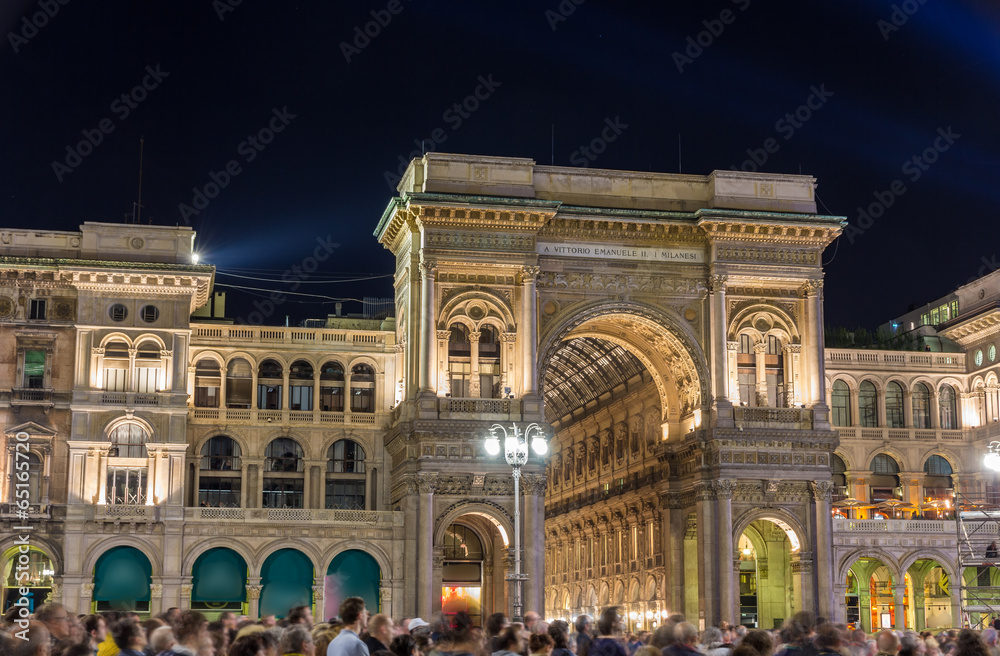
32	570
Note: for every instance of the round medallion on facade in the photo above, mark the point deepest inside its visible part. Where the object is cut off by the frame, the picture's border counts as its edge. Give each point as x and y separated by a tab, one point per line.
477	311
690	314
550	308
62	310
74	242
137	242
6	306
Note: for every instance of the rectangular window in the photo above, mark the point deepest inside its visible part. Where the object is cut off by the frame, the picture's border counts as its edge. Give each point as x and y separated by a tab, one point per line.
620	551
269	397
944	312
345	494
36	308
489	379
748	385
935	317
590	552
362	399
206	397
34	369
114	379
302	397
126	486
331	399
147	380
282	493
460	374
954	309
219	492
924	319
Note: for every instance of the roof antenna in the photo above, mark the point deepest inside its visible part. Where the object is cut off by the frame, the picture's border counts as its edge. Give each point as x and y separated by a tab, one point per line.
680	169
137	215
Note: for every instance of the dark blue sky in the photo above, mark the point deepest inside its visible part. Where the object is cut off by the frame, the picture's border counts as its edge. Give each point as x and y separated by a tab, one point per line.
888	87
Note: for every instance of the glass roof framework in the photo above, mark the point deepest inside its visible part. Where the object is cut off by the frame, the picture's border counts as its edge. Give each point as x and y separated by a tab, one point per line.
582	370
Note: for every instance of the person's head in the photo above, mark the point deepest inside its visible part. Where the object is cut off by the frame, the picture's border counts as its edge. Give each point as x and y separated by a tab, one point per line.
228	618
511	639
298	640
686	634
887	641
300	615
969	643
190	628
248	645
37	643
792	632
559	632
128	634
759	641
827	637
267	621
806	620
739	632
353	613
711	636
663	636
401	645
540	644
530	618
162	639
382	628
70	648
496	623
55	618
173	615
96	629
583	623
610	622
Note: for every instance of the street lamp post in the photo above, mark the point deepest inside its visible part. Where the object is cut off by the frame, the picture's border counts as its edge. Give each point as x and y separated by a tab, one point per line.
515	449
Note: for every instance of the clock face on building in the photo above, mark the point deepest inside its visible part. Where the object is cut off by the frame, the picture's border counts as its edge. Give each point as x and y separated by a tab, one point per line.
979	357
991	353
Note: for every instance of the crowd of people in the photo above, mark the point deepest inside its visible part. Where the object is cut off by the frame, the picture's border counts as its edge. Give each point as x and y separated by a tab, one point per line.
52	631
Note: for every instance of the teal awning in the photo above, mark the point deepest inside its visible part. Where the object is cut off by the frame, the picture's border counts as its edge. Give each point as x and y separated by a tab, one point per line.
287	577
122	576
354	573
219	575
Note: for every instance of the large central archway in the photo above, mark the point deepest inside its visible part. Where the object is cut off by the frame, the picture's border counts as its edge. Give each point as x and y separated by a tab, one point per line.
594	347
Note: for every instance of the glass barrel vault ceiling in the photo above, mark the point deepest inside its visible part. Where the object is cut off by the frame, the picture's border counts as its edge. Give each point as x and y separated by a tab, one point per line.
583	369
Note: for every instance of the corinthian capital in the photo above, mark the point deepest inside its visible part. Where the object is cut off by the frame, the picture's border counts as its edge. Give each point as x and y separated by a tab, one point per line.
822	490
529	274
717	283
428	268
427	482
724	488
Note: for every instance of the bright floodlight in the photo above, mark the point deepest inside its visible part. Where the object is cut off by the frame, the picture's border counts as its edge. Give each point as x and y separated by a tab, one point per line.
492	445
992	461
539	446
194	258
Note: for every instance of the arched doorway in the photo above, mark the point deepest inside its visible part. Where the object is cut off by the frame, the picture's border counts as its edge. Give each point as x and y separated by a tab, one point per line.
462	572
219	579
122	577
36	566
873	582
768	591
928	593
352	573
286	579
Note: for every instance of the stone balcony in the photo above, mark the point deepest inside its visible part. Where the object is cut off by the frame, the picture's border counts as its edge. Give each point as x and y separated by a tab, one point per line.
148	514
285	417
884	434
338	339
852	534
796	418
872	361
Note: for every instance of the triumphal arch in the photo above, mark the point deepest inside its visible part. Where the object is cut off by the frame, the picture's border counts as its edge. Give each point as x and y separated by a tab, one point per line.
669	329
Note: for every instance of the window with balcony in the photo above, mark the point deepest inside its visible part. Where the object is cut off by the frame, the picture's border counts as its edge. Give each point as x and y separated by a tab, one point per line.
345	476
362	388
269	381
300	386
126	486
219	483
129	441
938	485
239	381
840	410
148	368
459	360
34	481
207	381
894	405
116	365
867	404
921	402
34	370
331	387
884	478
283	477
947	407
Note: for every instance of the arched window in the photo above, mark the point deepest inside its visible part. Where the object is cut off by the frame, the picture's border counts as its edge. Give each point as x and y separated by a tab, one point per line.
207	381
840	411
300	384
362	388
894	405
149	377
459	360
116	365
884	479
221	488
839	468
921	401
774	371
489	363
129	440
868	404
947	407
345	476
331	387
283	480
937	466
239	378
462	572
269	382
746	368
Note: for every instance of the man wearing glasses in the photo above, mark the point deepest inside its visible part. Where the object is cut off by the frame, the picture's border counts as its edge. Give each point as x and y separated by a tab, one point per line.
56	620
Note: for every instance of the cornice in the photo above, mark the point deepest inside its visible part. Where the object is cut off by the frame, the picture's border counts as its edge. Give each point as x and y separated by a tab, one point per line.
973	330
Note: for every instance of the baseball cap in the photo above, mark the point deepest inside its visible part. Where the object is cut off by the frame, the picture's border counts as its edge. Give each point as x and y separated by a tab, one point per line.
416	623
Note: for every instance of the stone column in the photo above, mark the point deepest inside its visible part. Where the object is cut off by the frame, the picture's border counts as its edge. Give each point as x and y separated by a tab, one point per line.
426	484
865	609
814	306
793	378
253	596
956	606
428	270
855	407
528	330
443	372
708	591
827	605
319	602
908	408
898	592
723	407
732	351
673	526
802	582
838	604
533	542
316	382
919	616
935	409
474	390
102	476
760	352
728	583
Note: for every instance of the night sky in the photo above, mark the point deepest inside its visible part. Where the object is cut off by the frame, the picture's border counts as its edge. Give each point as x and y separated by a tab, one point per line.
886	81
